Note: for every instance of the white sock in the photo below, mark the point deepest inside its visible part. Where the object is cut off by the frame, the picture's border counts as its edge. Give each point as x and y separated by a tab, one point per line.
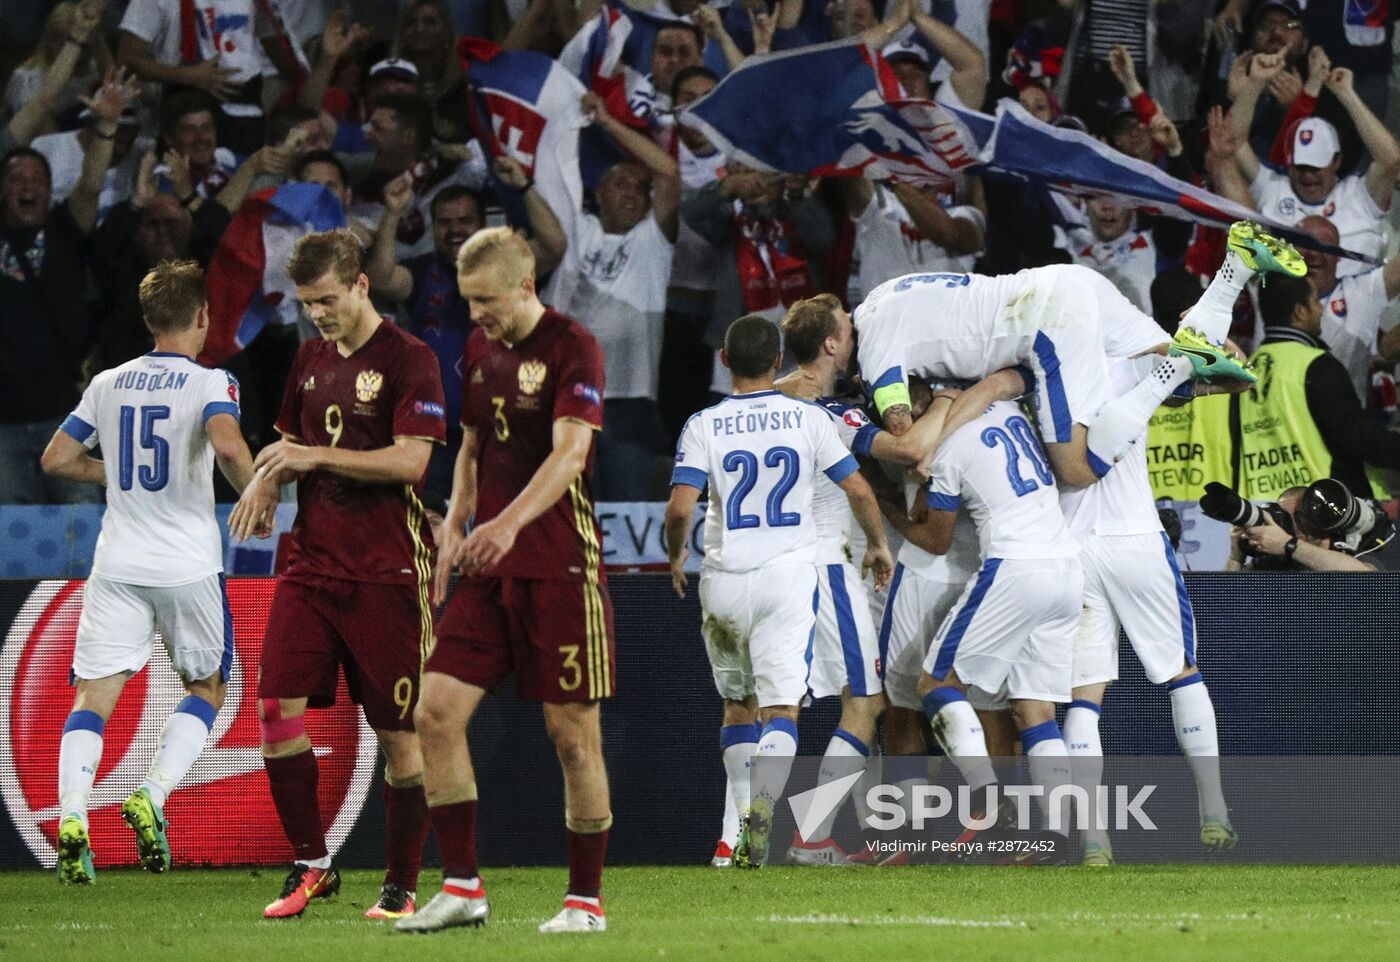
1193	716
181	741
79	753
773	759
845	754
872	776
322	862
739	742
1086	762
959	733
1049	765
1213	314
1124	419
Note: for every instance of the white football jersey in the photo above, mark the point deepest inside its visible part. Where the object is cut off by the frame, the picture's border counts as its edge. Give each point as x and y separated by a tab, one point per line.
955	566
829	502
1121	502
149	416
996	469
760	454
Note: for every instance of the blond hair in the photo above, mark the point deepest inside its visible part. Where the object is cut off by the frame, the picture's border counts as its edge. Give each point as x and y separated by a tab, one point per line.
808	324
171	295
502	248
333	250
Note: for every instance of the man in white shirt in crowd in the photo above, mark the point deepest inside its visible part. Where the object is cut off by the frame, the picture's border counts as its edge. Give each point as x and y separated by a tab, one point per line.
1351	306
1113	243
65	151
613	279
1356	203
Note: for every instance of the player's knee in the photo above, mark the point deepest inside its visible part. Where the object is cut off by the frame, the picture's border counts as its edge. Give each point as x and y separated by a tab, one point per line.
1028	714
433	717
211	689
279	723
575	743
740	712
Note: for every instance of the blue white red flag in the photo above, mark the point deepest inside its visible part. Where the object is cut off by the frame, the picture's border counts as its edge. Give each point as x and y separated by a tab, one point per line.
1073	162
525	105
835	109
247	280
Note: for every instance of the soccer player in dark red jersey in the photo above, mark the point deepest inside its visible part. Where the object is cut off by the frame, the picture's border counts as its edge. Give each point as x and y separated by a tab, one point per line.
533	599
362	410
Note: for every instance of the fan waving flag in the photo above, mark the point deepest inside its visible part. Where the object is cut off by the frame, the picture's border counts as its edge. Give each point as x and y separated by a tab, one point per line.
1072	162
855	122
247	280
523	104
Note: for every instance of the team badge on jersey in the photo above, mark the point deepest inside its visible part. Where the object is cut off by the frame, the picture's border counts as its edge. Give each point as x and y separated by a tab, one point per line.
855	417
368	385
531	376
309	384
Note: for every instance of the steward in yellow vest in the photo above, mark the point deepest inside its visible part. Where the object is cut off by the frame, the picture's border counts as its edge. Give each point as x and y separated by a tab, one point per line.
1302	420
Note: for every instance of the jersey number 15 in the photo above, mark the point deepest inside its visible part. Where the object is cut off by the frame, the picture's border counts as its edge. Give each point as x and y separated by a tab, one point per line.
156	475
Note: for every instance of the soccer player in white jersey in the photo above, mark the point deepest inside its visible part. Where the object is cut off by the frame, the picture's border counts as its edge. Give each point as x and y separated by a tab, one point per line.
1014	625
847	655
1063	322
162	421
1131	579
758	453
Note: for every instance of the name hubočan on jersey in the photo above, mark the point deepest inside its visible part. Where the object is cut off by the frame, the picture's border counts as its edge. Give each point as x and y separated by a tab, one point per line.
154	381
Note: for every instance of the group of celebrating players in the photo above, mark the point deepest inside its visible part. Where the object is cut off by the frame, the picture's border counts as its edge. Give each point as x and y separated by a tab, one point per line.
1008	590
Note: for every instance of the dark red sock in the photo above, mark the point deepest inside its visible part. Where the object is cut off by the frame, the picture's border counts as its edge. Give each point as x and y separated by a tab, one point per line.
455	828
405	831
586	853
293	782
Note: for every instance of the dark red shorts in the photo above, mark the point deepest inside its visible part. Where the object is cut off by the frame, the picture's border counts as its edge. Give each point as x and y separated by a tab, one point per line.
380	633
557	636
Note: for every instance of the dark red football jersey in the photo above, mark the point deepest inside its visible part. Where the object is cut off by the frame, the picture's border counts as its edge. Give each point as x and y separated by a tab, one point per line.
512	396
390	388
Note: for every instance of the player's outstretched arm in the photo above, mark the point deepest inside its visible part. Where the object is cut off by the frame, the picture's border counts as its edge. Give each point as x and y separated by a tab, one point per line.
66	457
679	511
230	450
402	462
867	513
490	542
460	508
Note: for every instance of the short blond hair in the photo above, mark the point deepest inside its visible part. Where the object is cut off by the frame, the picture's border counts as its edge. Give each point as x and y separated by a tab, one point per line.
333	250
171	295
808	324
502	248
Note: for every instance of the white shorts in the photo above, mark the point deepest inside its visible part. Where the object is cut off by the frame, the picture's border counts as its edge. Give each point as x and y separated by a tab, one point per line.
1133	581
758	629
913	612
1014	625
1081	320
119	622
845	649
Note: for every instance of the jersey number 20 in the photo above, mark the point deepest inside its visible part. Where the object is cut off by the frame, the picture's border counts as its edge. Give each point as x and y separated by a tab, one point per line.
746	463
1021	435
152	476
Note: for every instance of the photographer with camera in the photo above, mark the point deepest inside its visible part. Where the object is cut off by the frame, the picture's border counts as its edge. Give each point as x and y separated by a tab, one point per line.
1318	528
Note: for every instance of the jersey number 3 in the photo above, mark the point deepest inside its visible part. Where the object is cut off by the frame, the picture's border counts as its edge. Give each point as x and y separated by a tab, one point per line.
746	463
156	475
1024	437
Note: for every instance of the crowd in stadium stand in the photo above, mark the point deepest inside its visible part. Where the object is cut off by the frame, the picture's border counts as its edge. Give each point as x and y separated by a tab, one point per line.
127	142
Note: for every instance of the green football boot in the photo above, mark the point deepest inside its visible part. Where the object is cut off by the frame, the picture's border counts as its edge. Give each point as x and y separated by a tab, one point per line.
755	832
1218	834
1262	252
1096	854
74	853
147	820
1209	362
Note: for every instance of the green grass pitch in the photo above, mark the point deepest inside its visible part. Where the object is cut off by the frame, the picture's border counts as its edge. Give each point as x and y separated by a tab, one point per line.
780	914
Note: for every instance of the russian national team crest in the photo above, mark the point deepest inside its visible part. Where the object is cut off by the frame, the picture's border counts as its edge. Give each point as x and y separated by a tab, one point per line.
368	384
222	813
531	376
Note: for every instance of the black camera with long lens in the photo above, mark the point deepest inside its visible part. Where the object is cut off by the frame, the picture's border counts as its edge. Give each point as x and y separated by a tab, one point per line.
1223	504
1357	526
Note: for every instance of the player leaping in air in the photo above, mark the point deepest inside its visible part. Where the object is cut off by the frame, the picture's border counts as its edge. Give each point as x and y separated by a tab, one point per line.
1063	322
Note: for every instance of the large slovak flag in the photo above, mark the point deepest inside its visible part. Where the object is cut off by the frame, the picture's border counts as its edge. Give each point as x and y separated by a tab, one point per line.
1072	162
247	280
834	109
524	105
